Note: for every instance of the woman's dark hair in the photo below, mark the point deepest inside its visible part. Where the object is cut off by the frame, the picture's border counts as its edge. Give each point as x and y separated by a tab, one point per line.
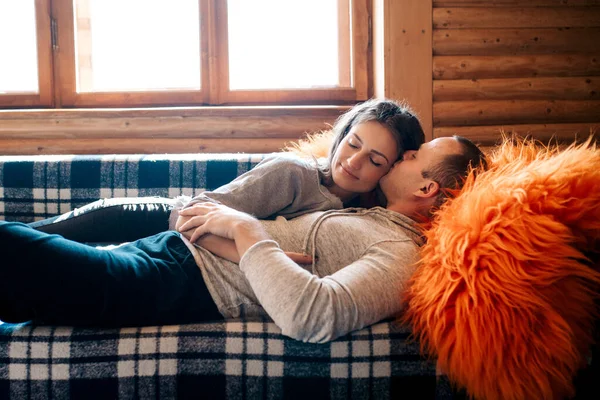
397	117
450	173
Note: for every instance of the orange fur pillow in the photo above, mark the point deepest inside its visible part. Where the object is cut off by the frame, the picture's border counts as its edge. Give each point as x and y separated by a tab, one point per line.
504	296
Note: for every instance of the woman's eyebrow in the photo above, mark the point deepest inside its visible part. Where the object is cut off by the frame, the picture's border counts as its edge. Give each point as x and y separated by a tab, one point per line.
372	151
381	154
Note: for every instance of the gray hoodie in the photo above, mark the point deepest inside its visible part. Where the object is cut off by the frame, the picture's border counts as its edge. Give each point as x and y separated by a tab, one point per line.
363	260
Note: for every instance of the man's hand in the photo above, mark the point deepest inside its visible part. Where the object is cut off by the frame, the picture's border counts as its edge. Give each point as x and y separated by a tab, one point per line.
222	221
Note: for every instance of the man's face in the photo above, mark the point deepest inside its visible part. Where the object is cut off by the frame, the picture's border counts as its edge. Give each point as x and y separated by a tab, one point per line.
406	176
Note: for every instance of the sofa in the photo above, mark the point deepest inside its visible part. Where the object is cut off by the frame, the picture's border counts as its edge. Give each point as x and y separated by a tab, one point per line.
233	359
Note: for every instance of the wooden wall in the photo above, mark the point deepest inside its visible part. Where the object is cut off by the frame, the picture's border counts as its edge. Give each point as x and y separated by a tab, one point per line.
529	66
160	130
468	67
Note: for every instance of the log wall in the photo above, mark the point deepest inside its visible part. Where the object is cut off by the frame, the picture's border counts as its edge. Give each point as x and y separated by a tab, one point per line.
530	67
468	67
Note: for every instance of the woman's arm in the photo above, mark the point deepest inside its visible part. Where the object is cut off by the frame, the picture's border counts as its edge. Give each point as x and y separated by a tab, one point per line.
270	188
225	248
280	184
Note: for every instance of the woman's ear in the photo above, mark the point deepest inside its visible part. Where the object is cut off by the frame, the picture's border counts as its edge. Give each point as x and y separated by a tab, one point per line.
428	189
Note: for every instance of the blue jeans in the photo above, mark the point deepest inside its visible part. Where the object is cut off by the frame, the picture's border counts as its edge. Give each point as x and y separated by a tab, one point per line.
47	279
113	220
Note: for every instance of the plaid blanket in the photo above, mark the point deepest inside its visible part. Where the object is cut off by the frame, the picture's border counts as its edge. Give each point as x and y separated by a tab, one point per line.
38	187
233	359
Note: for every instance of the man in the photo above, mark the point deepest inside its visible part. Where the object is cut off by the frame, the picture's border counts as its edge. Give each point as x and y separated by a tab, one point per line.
362	260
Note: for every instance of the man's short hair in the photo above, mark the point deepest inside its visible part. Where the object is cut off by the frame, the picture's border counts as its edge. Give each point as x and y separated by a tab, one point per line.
450	173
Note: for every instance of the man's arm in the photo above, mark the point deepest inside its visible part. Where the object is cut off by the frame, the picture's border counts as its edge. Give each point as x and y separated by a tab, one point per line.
319	309
307	307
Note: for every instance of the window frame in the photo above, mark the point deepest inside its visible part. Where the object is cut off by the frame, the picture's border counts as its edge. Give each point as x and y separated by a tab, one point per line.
57	66
45	96
358	64
64	15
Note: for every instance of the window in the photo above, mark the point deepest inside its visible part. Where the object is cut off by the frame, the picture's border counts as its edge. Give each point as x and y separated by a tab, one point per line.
135	53
25	45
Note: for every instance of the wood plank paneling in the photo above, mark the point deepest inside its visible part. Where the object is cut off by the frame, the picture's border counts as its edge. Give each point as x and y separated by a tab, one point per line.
139	146
210	129
575	88
513	3
495	112
183	112
490	134
528	66
175	127
515	41
515	17
524	66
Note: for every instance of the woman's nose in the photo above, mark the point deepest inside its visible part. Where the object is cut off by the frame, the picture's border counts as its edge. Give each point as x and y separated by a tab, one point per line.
354	161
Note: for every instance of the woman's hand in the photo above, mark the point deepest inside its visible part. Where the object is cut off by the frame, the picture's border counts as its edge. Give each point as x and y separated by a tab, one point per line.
213	218
223	221
217	219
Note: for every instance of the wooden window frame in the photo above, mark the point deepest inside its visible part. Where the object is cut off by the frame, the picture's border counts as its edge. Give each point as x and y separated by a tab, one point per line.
357	81
57	65
66	74
45	96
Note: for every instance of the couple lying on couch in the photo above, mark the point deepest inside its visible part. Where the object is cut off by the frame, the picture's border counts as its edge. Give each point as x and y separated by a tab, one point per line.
360	259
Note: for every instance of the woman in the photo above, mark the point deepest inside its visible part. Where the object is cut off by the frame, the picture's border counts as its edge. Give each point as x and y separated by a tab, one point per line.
365	143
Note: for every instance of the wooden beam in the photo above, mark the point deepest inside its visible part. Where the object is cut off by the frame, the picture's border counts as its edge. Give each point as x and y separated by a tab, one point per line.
495	112
521	66
402	29
515	41
491	134
571	88
515	17
176	130
139	146
513	3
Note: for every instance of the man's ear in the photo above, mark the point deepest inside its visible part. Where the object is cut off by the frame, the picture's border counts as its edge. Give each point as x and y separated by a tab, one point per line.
428	189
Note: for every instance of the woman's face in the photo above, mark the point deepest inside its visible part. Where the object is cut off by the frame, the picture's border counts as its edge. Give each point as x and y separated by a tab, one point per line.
365	155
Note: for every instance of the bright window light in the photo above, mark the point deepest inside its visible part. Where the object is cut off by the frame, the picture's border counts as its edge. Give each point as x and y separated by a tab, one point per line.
283	44
18	46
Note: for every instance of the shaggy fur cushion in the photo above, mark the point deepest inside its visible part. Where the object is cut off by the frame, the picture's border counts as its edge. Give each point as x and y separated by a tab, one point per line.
504	297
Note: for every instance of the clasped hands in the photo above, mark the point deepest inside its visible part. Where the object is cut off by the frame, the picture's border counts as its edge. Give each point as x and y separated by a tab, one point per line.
220	220
244	230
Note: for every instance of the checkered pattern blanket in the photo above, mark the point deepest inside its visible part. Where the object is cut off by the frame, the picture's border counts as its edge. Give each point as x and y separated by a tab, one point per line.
232	359
38	187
